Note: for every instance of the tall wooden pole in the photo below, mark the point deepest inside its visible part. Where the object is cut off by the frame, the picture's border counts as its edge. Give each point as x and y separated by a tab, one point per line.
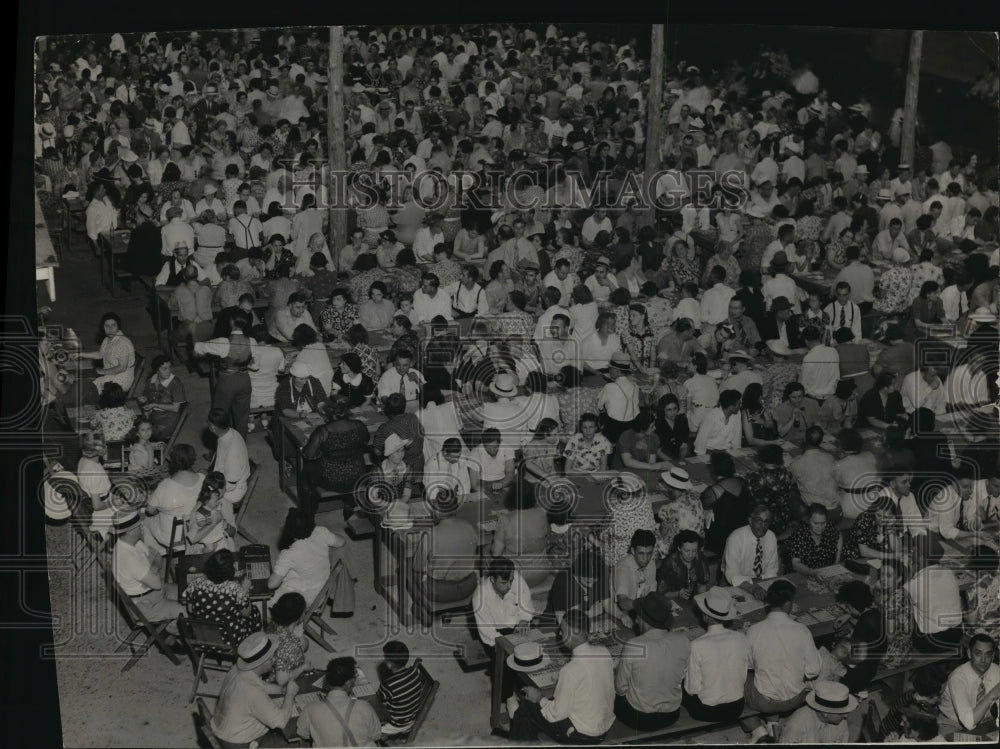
908	142
335	138
653	126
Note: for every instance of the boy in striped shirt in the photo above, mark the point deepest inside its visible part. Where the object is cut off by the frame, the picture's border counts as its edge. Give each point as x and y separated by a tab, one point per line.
401	689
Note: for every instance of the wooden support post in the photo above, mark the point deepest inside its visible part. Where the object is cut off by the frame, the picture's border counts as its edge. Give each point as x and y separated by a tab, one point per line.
908	143
651	165
336	120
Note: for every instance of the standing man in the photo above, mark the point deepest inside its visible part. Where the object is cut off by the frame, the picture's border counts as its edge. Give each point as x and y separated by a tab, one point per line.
232	461
232	384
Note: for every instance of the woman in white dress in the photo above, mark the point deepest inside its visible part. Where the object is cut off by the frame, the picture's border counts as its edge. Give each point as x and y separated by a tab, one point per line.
174	497
116	354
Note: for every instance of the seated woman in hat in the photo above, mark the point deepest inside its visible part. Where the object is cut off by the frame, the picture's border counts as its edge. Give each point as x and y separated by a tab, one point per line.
302	394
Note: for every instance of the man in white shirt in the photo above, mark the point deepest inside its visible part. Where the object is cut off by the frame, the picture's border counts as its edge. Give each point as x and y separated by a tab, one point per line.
468	299
137	570
844	313
937	606
718	662
597	348
751	553
450	469
783	657
780	284
634	575
429	301
923	389
596	222
619	399
501	604
859	277
171	274
982	508
556	351
715	300
582	708
955	298
721	427
543	328
232	461
969	699
820	371
561	278
889	240
175	232
289	317
402	378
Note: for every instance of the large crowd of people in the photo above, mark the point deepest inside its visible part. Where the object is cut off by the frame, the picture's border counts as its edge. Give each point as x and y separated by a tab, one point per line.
815	293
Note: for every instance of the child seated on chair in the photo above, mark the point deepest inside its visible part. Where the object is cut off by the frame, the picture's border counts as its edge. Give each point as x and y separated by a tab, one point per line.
401	689
140	457
286	625
205	528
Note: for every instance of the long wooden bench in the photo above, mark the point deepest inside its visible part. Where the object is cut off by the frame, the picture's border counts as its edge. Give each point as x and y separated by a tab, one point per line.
622	734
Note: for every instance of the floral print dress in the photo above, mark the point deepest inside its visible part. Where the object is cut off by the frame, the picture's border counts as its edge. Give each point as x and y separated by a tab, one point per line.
685	513
222	603
894	285
336	322
587	457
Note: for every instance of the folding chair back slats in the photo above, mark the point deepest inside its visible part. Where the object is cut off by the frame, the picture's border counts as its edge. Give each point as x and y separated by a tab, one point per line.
204	641
155	631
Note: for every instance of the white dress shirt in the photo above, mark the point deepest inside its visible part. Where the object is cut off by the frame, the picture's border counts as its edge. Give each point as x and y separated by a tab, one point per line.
597	355
439	473
918	394
585	691
959	696
715	303
620	399
820	371
780	285
955	303
980	508
427	307
717	433
565	286
493	612
390	381
852	317
690	309
469	301
717	666
934	594
783	656
738	556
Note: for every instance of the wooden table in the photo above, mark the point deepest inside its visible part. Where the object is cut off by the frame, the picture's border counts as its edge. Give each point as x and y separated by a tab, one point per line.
292	436
811	597
46	259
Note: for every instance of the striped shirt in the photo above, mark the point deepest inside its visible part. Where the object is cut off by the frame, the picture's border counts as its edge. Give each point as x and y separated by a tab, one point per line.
400	694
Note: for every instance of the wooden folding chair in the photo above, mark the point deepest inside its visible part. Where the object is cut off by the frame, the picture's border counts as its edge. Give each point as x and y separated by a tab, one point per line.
138	376
156	632
204	641
204	722
871	725
175	548
245	504
314	626
115	458
430	688
182	414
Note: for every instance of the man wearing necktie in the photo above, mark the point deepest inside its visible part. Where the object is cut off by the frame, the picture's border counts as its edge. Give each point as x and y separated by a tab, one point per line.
969	699
751	553
843	313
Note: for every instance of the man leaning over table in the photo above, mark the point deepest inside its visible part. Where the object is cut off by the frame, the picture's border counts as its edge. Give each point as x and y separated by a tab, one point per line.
783	657
582	709
721	428
751	553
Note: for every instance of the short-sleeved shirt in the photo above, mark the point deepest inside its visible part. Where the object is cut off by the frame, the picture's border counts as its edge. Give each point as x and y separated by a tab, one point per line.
131	565
640	446
305	565
583	457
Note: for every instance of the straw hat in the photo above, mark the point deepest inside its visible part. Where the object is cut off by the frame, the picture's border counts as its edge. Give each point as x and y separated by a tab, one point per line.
527	656
717	603
299	369
602	261
740	354
256	650
677	478
831	697
394	443
504	385
621	360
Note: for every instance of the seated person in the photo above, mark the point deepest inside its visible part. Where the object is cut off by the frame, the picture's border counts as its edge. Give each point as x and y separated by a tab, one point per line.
162	398
634	577
492	463
339	719
291	642
289	317
300	394
823	719
684	572
350	381
219	598
115	419
443	567
245	711
585	585
867	627
582	708
651	668
920	701
970	696
751	553
502	606
139	572
718	662
400	689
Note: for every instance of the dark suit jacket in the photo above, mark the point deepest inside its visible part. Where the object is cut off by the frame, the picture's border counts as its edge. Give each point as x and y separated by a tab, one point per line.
769	330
